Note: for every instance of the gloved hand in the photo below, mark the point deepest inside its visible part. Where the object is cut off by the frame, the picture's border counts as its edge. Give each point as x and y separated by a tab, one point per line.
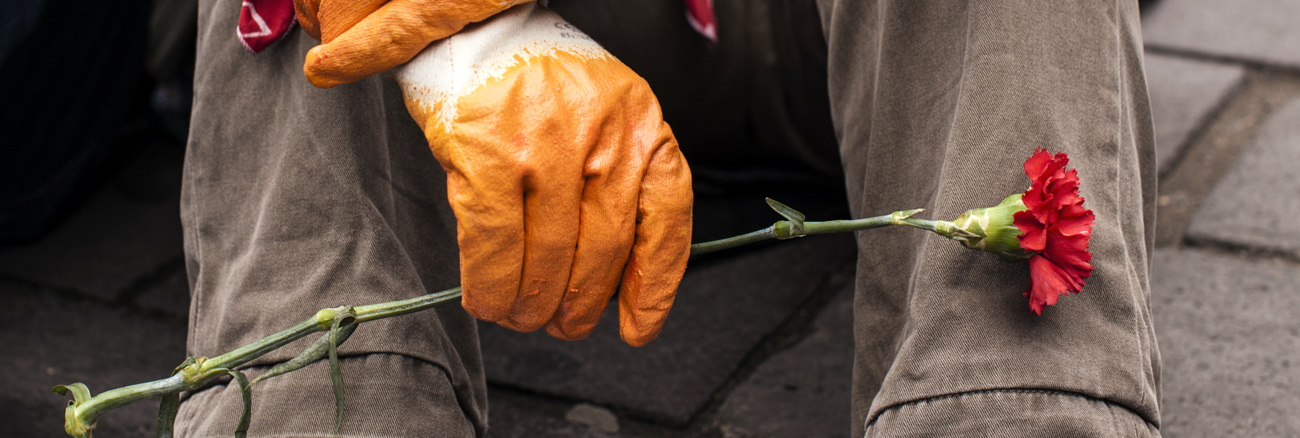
365	37
565	180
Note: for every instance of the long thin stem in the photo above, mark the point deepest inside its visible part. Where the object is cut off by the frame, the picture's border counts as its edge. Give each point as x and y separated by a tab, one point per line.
204	371
732	242
402	307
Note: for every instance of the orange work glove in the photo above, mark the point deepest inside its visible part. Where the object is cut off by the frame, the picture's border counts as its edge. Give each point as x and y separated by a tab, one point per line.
364	37
565	180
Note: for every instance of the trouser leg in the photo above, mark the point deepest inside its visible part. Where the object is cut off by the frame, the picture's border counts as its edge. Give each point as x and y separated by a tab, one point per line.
936	105
296	199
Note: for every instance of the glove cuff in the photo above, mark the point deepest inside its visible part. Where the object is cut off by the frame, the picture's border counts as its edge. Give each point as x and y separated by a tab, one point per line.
457	65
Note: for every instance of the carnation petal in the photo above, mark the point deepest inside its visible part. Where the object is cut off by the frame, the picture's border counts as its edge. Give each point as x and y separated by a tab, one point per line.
1072	225
1056	227
1070	253
1037	163
1061	159
1043	208
1047	282
1033	235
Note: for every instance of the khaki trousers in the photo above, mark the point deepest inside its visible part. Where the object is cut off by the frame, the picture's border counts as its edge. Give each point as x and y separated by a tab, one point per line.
298	198
936	105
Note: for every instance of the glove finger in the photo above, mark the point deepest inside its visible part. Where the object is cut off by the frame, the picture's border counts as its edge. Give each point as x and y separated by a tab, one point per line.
391	35
306	12
663	245
607	230
490	231
550	237
336	17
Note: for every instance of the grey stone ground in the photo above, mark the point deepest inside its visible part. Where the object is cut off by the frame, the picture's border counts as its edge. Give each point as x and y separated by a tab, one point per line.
102	299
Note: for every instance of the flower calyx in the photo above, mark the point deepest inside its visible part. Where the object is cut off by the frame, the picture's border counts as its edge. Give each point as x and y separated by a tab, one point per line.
990	229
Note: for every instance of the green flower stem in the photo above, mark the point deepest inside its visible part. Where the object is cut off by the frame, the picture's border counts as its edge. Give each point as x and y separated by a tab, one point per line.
790	230
198	372
402	307
88	412
243	355
732	242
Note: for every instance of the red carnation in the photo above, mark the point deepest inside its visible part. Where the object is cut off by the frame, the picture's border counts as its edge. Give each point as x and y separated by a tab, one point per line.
1056	228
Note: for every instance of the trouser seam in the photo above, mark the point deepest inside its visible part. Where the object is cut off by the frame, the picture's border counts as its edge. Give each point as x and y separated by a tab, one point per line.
871	421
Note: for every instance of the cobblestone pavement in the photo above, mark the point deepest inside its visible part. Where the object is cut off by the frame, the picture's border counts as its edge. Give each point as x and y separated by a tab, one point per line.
102	299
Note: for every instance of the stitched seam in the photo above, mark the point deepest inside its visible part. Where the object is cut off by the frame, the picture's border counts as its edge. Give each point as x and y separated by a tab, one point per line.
873	419
1140	326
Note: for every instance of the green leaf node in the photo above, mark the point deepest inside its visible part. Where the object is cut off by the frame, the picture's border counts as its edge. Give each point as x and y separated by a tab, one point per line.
794	216
72	425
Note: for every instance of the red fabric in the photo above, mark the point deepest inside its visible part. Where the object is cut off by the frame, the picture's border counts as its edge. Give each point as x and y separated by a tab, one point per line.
1056	227
262	22
700	14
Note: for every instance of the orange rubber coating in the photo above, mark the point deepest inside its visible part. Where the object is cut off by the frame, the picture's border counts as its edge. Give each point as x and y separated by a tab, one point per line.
566	183
363	37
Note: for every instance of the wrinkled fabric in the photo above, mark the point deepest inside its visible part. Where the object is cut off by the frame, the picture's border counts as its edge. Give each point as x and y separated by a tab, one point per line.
751	112
1011	413
936	105
296	199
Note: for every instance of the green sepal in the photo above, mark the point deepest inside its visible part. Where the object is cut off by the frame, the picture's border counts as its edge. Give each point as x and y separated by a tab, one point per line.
993	229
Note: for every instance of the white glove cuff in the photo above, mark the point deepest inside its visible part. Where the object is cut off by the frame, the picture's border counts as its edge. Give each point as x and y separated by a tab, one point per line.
455	66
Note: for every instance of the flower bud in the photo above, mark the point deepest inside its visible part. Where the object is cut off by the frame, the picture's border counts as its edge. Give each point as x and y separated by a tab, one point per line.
989	229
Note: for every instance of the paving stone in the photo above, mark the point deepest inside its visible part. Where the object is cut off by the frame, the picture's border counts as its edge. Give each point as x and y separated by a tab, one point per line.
724	307
126	231
1262	30
595	416
1230	344
511	422
51	340
1254	205
801	392
1183	91
515	416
